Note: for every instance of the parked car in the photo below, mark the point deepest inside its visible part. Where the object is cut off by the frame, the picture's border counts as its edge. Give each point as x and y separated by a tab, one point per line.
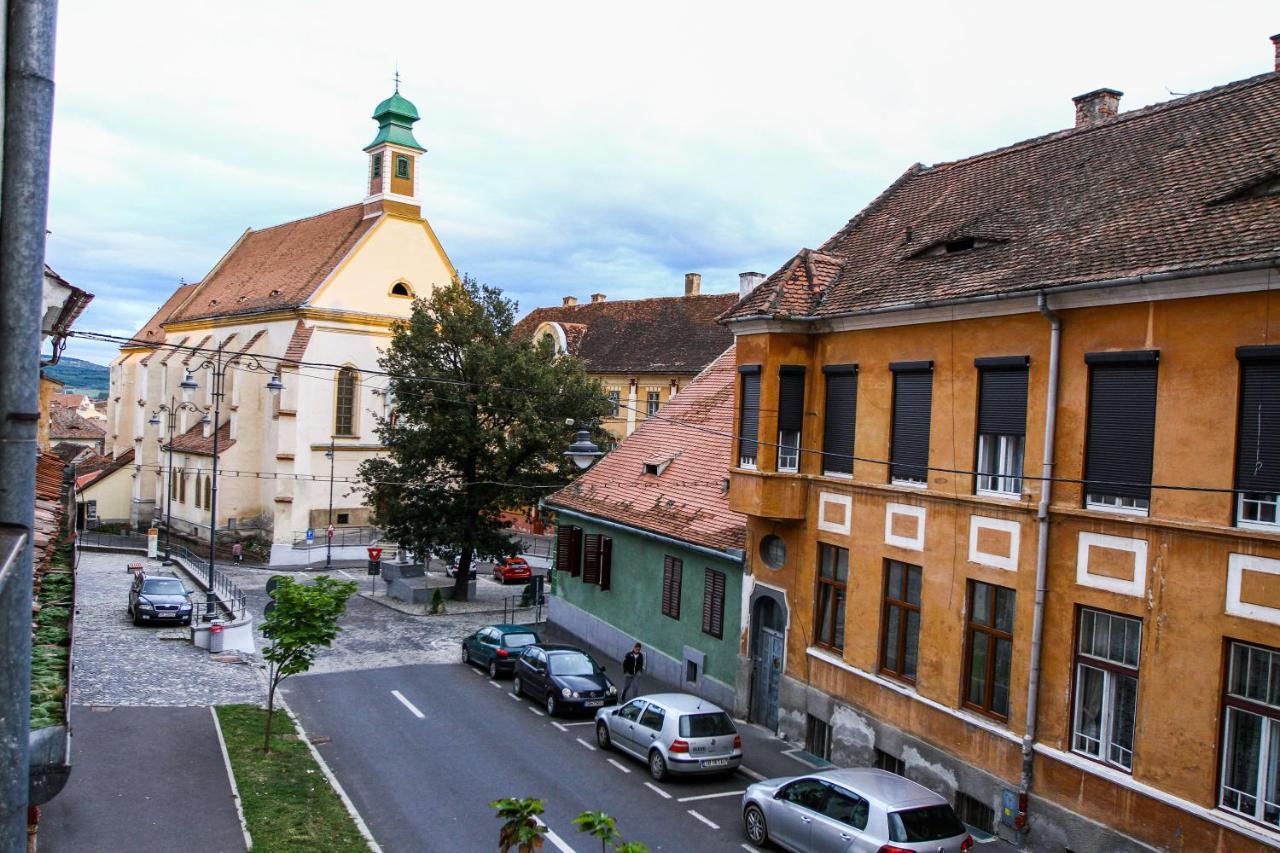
512	569
159	597
451	568
564	678
675	733
861	810
496	647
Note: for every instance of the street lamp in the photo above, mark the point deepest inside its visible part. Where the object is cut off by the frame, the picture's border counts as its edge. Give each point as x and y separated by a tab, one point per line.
217	364
170	411
328	533
583	451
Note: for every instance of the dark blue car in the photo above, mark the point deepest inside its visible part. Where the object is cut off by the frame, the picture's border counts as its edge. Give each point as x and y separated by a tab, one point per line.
497	647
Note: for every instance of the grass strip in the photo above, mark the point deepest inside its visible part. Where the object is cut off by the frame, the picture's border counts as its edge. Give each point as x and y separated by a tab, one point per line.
288	804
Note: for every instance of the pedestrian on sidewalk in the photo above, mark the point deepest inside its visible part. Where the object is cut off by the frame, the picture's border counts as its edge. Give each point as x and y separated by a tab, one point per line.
237	553
632	666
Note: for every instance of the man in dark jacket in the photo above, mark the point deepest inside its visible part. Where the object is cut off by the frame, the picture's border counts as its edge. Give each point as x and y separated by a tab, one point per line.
632	666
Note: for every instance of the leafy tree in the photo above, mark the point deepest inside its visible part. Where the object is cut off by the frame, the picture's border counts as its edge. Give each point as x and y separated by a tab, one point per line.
522	829
303	621
480	425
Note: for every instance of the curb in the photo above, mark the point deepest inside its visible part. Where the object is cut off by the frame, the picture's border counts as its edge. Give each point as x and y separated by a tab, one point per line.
231	777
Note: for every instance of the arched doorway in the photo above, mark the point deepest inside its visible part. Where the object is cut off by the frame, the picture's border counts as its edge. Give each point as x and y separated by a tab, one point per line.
768	645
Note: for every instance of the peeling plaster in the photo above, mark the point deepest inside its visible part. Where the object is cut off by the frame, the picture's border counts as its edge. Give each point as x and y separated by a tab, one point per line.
935	777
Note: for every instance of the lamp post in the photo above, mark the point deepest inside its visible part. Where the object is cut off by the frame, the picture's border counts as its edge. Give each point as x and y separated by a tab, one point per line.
328	533
217	364
584	452
170	411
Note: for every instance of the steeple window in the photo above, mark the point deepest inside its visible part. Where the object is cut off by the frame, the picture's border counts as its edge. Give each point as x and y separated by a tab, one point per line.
402	166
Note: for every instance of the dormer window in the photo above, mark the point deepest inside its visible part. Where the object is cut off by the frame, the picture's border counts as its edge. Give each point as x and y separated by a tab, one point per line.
953	245
401	289
961	245
1267	185
656	467
402	166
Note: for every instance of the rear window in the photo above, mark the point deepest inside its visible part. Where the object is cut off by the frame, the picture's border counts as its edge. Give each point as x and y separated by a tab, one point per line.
516	641
931	823
706	725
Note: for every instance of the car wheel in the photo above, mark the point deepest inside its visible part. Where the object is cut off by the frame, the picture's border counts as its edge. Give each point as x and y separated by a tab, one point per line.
657	766
466	654
497	578
493	670
602	735
757	829
552	705
516	687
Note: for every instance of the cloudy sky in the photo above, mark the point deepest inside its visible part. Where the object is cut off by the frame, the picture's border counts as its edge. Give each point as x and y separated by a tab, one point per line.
573	147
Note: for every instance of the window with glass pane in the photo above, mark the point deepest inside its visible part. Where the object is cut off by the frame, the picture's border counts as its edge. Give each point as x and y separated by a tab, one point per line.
402	166
788	450
345	403
614	403
1000	463
1002	423
652	403
1251	734
1257	446
833	575
989	648
900	640
1106	689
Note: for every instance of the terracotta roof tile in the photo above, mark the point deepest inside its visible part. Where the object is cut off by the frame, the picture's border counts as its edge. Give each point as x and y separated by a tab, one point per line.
297	348
194	351
195	441
277	267
1175	187
151	331
688	500
49	476
674	334
84	480
67	424
170	353
68	401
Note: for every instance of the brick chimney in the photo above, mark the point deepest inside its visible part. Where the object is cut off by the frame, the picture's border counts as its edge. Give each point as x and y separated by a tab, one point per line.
692	283
570	300
1093	107
597	297
747	282
1275	40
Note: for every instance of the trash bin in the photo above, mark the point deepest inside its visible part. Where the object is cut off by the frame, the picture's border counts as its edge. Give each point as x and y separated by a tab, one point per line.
215	637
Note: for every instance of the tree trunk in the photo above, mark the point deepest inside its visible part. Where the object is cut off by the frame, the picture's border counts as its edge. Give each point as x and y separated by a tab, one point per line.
461	582
271	710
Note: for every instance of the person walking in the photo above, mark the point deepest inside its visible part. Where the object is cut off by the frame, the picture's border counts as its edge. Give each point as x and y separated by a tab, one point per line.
237	553
632	666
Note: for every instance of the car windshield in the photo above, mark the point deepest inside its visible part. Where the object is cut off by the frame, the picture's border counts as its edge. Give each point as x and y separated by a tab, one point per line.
931	823
517	641
573	663
706	725
163	586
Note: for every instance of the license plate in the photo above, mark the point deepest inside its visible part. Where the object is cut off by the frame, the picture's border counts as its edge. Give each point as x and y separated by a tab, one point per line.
593	703
166	615
716	762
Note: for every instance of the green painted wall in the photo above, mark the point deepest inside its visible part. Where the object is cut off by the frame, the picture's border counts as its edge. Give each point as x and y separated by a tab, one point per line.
633	604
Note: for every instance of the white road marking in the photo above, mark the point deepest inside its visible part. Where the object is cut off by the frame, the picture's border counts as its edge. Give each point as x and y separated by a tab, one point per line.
513	696
704	820
493	683
791	753
584	743
657	790
711	796
748	772
477	672
536	711
584	723
749	847
559	726
345	575
553	838
405	702
619	765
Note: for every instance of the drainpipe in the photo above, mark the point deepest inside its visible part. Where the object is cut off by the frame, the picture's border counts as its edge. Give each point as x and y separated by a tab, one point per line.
28	36
1042	550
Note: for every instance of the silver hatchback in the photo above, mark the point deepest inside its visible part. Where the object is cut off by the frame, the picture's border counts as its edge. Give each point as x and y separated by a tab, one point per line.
862	810
674	733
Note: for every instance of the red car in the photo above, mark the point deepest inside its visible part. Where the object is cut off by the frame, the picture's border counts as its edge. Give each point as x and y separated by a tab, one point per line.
512	569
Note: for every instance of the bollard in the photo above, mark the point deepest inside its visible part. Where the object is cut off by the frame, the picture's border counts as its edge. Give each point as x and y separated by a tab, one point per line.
215	637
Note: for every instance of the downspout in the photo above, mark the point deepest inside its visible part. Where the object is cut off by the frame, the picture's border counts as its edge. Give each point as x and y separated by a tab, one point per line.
1042	552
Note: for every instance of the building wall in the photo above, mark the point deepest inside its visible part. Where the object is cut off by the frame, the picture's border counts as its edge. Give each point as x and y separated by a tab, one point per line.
633	390
1179	589
112	494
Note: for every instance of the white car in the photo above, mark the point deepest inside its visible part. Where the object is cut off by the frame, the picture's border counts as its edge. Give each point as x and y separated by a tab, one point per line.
674	733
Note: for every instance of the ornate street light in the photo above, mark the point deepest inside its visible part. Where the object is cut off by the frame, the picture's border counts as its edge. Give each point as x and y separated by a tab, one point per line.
584	452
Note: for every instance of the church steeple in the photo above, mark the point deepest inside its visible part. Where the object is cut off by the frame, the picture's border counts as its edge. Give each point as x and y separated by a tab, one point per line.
393	158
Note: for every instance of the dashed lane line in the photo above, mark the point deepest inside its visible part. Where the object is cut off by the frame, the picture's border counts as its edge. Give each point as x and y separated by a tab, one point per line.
711	796
493	683
584	743
619	765
405	702
704	820
657	790
553	838
513	696
583	723
751	774
535	710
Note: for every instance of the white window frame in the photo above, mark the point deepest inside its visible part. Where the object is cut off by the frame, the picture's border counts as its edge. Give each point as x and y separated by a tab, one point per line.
614	396
91	510
1244	497
1005	478
652	402
1268	744
1117	504
1105	743
789	450
911	484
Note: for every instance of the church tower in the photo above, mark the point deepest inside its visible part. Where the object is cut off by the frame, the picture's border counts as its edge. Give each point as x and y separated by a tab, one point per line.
393	159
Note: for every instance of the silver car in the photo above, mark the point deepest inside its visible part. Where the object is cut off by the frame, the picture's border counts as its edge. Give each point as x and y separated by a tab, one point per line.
674	733
862	810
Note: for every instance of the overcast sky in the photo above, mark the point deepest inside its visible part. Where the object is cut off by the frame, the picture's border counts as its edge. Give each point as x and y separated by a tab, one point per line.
573	147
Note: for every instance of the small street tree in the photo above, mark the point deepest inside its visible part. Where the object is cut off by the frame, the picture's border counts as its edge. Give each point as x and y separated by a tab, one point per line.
303	620
521	828
480	424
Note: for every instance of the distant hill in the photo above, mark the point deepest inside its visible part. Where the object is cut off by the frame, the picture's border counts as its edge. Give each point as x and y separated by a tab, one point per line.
81	377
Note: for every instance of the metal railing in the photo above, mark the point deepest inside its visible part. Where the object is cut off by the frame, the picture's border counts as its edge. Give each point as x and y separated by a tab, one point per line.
512	605
536	546
346	535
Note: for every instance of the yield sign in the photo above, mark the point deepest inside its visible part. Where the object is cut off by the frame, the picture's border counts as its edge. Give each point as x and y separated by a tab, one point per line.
375	554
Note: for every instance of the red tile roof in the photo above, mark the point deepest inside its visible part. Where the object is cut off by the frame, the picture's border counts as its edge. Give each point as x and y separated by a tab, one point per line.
68	401
674	334
277	267
151	332
49	476
83	480
688	500
195	441
66	423
1176	187
297	348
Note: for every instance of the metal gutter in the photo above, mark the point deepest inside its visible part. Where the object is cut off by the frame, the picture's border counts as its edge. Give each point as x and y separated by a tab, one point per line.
732	554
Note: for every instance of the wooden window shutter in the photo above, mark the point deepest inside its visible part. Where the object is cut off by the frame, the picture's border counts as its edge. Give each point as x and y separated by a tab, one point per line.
575	557
591	559
606	561
569	549
672	569
713	604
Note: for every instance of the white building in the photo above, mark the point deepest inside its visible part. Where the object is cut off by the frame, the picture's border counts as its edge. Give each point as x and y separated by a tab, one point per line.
313	299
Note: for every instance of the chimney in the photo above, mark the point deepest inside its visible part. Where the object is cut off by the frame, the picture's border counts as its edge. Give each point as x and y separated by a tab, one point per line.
1093	107
692	283
570	300
597	297
747	282
1275	40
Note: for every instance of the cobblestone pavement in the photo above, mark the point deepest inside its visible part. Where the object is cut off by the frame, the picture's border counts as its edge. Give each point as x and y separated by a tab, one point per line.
117	663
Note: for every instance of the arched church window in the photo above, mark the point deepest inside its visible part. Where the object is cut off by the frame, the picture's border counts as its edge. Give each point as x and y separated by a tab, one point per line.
402	166
344	416
401	289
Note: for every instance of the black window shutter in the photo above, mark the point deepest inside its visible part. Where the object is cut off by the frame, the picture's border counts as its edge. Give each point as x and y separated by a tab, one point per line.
575	557
672	569
912	405
564	547
713	604
1122	424
591	558
606	562
840	418
1002	401
790	397
749	429
1258	441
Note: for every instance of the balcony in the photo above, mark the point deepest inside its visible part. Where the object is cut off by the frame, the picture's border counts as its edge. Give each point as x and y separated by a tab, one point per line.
767	495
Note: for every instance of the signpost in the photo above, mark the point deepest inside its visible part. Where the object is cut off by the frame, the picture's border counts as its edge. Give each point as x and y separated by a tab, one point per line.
375	567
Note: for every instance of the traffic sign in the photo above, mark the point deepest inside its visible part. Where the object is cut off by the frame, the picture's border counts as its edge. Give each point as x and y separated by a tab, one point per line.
375	567
311	534
375	554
